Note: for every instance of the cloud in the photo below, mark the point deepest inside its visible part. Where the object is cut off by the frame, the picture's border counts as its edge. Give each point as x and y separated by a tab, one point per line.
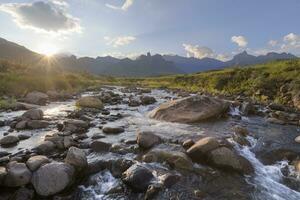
272	43
241	41
125	6
203	52
41	16
119	41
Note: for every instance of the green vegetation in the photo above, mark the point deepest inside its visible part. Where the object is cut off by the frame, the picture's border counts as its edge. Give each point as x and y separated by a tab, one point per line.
276	81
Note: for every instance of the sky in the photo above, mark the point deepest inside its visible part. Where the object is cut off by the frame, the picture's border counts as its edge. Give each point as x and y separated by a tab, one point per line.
127	28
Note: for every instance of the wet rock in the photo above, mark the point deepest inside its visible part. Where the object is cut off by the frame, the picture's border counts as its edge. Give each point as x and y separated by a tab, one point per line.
3	174
297	139
56	139
240	140
99	146
138	177
147	100
121	149
188	143
97	136
153	190
111	129
4	160
46	147
9	140
33	114
3	153
21	125
119	166
192	109
37	124
17	174
77	158
226	158
89	102
247	108
34	162
24	136
134	103
275	121
241	131
147	140
23	194
2	123
169	180
37	98
68	142
175	159
199	150
52	178
75	126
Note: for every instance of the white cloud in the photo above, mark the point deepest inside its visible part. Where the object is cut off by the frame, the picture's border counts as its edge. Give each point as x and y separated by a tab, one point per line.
125	6
203	52
272	43
41	16
119	41
241	41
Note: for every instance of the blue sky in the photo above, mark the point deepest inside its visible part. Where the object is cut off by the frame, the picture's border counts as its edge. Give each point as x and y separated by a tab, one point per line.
198	28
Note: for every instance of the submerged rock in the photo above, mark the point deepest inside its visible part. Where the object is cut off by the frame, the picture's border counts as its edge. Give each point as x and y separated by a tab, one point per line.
52	178
147	140
17	174
190	110
138	177
89	102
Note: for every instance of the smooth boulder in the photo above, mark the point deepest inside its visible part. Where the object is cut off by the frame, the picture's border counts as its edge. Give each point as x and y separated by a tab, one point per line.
146	140
203	146
17	174
9	140
52	178
76	157
190	110
33	114
112	129
34	162
89	102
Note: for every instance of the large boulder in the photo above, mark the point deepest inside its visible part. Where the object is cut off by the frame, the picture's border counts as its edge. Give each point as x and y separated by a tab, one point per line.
37	124
138	177
33	114
226	158
77	158
52	178
34	162
201	148
17	174
147	140
190	110
37	98
9	140
89	102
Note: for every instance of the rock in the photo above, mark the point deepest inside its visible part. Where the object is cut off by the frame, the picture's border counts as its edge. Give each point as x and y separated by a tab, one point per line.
2	123
224	157
199	150
68	142
77	158
34	162
192	109
24	136
240	140
56	139
21	125
169	180
89	102
9	140
275	121
297	139
241	131
147	100
138	177
37	98
75	126
188	143
46	147
176	159
153	190
17	174
246	108
3	174
3	153
296	165
37	124
34	114
134	103
99	146
23	194
110	129
147	140
52	178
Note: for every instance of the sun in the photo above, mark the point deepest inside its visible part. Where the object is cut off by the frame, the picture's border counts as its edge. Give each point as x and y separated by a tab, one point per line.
48	49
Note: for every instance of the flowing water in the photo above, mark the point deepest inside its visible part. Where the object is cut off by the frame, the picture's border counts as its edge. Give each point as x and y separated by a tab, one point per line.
267	180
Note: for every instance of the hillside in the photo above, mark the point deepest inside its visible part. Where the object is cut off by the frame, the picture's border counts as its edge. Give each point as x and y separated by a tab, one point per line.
277	81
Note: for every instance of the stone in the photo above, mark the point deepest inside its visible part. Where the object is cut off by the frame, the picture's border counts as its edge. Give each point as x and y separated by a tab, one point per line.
75	126
99	146
138	177
147	140
23	194
37	98
111	129
24	136
134	103
169	180
3	174
33	114
226	158
34	162
199	150
17	174
37	124
147	100
89	102
46	147
297	139
9	140
98	136
68	142
188	143
247	108
77	158
192	109
21	125
241	131
275	121
52	178
240	140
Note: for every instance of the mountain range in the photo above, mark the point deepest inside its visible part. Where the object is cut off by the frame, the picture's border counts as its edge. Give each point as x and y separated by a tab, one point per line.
144	65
